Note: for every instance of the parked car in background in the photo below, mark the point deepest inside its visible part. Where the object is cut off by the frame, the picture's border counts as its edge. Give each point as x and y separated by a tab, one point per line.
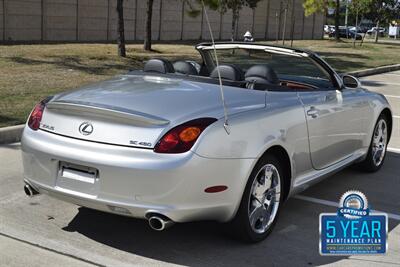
346	33
373	30
361	28
366	25
328	29
355	29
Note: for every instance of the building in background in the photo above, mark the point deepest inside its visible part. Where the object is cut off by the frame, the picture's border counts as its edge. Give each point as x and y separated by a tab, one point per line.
96	20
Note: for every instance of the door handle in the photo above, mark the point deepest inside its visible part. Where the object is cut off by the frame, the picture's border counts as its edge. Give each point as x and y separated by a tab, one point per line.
313	112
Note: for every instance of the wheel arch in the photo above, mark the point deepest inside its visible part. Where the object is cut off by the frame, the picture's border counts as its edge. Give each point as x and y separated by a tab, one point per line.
283	157
389	117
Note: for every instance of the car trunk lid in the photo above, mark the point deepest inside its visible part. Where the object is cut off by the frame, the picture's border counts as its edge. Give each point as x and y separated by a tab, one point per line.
136	110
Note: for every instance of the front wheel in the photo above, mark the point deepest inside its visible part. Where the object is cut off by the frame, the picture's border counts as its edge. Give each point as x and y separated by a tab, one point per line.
377	150
261	201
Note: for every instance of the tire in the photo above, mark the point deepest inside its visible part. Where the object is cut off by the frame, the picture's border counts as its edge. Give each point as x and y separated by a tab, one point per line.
241	226
373	162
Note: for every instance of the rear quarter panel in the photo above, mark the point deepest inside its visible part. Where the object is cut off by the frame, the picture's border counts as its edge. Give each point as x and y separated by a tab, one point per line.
281	123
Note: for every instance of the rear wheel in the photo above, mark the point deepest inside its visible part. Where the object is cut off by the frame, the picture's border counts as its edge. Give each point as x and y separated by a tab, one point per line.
377	150
261	201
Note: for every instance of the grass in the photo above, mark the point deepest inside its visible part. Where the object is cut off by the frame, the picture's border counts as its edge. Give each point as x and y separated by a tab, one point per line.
28	73
344	58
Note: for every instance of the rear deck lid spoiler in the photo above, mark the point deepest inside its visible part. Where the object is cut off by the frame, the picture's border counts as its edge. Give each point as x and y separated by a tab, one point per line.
109	111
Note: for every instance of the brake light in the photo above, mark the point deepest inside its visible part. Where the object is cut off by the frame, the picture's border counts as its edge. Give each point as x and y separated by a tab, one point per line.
36	115
181	138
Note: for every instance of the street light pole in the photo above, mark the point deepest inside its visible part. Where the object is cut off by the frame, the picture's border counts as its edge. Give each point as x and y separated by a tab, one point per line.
284	26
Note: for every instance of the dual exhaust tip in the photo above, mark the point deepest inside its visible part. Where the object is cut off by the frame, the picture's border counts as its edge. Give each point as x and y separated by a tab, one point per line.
157	222
30	191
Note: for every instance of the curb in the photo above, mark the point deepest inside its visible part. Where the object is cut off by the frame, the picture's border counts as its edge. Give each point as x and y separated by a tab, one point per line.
11	134
378	70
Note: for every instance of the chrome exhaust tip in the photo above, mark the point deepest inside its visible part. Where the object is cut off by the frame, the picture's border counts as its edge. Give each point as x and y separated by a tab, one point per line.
160	223
30	191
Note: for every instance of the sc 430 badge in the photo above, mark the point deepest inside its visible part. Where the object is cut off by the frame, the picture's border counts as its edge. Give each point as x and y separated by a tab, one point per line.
353	229
139	143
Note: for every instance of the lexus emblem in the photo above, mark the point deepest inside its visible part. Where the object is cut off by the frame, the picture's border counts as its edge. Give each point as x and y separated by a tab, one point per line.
86	128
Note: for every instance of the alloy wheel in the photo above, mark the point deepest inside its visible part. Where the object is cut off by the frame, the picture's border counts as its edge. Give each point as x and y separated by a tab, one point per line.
379	142
264	198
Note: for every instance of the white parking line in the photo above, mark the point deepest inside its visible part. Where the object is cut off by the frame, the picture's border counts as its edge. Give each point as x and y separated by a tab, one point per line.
335	204
390	73
392	96
393	149
396	116
386	83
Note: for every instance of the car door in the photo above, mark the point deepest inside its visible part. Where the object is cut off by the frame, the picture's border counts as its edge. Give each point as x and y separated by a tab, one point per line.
334	121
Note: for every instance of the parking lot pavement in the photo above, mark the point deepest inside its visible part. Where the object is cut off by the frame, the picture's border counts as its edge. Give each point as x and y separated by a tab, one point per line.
113	240
17	253
389	85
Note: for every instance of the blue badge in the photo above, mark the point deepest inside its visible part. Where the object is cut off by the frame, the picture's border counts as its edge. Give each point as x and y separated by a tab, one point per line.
353	229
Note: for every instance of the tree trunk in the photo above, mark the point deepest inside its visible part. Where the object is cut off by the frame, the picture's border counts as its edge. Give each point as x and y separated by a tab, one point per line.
147	37
235	15
377	32
337	16
121	31
355	36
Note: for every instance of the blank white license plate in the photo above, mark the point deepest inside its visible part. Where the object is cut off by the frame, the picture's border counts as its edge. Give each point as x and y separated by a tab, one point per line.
85	177
78	178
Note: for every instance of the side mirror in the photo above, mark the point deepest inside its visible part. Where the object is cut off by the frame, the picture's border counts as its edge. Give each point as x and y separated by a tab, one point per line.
350	81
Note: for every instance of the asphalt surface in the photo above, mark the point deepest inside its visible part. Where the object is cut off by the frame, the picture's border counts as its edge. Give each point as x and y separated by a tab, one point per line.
42	231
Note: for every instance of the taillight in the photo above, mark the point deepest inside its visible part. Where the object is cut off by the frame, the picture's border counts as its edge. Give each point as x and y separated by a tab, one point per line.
181	138
36	114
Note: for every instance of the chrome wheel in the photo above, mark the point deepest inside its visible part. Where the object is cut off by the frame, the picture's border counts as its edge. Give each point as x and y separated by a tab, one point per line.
264	198
379	142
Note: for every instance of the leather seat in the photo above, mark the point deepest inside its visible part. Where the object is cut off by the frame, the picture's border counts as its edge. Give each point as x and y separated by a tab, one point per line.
159	65
228	72
262	74
184	67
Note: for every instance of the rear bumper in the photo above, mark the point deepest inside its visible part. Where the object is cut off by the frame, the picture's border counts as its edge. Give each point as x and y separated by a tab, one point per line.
133	181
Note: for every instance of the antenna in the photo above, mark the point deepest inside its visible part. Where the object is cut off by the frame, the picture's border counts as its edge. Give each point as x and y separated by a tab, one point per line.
226	126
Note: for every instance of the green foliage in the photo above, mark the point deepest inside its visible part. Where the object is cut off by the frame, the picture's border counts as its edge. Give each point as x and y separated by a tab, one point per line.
380	11
236	5
194	10
315	6
358	5
213	4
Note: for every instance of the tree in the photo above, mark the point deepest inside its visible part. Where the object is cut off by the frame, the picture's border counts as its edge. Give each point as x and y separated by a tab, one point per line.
235	6
337	18
357	8
121	31
381	11
149	15
314	6
192	11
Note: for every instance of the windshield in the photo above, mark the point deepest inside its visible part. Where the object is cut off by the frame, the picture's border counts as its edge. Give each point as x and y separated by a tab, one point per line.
289	67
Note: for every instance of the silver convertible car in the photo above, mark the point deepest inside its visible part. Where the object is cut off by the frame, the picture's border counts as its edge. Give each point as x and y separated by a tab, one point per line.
228	139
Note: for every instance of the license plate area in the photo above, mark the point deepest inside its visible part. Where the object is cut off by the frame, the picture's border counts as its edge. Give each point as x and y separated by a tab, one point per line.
78	178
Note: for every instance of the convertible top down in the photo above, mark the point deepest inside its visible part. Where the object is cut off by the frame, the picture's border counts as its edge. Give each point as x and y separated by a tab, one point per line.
186	140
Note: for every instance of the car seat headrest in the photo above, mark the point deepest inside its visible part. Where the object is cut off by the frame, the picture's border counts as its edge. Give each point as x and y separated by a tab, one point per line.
185	67
262	74
228	72
158	65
